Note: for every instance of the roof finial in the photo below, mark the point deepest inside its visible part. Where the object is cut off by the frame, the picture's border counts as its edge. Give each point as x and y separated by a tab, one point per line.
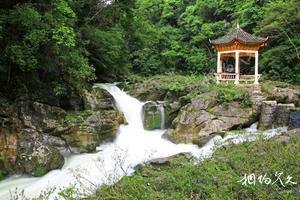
238	24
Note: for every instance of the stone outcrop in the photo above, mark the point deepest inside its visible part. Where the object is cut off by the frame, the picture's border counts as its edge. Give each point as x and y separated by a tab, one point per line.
38	116
274	115
285	95
89	129
282	117
268	114
34	135
98	99
204	117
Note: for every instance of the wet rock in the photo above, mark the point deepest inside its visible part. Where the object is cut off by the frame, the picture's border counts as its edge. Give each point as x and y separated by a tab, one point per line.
294	118
90	128
196	125
283	114
81	141
152	116
160	161
268	114
56	142
171	111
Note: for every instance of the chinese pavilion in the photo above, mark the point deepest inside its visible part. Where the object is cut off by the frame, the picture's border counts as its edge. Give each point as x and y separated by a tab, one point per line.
237	44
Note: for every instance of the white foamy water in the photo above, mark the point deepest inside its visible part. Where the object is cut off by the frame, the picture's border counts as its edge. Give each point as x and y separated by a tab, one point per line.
132	146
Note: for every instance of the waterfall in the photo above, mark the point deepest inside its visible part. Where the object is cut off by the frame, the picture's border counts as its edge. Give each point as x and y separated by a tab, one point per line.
132	146
162	116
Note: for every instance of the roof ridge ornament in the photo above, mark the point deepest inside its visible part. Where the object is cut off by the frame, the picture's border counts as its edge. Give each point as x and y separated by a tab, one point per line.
238	25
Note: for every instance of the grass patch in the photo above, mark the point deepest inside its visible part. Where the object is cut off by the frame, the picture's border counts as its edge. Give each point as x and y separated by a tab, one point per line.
268	86
226	94
216	178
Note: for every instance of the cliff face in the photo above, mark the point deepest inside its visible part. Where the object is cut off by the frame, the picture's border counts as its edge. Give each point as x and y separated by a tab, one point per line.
34	135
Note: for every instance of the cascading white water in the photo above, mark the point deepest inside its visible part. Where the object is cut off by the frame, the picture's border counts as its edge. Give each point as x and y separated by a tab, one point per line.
132	146
162	116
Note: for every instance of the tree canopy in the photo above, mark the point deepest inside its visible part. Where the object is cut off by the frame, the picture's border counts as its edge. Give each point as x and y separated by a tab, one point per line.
65	44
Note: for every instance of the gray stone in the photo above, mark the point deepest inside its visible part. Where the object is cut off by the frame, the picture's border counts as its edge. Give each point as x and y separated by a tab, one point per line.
283	114
268	114
294	119
40	117
283	139
98	98
196	126
205	101
35	157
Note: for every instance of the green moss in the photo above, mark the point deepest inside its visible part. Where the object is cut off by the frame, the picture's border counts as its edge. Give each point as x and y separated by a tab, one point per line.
152	121
39	171
38	168
217	177
76	117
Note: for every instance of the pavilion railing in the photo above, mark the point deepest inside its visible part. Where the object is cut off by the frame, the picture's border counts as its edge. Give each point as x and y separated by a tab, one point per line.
249	77
226	76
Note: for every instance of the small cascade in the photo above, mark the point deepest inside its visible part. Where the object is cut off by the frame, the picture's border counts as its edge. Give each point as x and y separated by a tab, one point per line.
162	116
153	115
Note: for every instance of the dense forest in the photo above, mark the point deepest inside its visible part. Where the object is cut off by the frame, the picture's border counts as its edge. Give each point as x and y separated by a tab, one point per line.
62	45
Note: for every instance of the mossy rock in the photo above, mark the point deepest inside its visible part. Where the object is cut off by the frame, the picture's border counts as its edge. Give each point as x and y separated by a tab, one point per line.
152	116
41	161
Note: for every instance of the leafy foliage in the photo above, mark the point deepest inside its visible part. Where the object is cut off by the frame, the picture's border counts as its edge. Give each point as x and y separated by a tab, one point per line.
62	45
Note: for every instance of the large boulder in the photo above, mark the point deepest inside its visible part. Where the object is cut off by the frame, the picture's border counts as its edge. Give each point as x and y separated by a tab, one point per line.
34	157
204	117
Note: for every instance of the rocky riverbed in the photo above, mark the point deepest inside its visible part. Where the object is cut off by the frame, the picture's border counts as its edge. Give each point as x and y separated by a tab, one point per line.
35	135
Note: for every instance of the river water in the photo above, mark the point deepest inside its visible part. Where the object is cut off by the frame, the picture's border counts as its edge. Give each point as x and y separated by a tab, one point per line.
132	146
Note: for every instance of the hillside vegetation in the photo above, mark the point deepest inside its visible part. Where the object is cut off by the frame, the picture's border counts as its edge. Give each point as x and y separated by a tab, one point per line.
60	45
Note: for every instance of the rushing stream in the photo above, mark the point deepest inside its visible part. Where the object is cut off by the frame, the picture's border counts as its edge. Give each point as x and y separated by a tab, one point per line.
132	146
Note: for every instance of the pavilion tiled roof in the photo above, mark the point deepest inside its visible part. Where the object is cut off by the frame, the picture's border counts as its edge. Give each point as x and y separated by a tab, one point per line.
240	35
